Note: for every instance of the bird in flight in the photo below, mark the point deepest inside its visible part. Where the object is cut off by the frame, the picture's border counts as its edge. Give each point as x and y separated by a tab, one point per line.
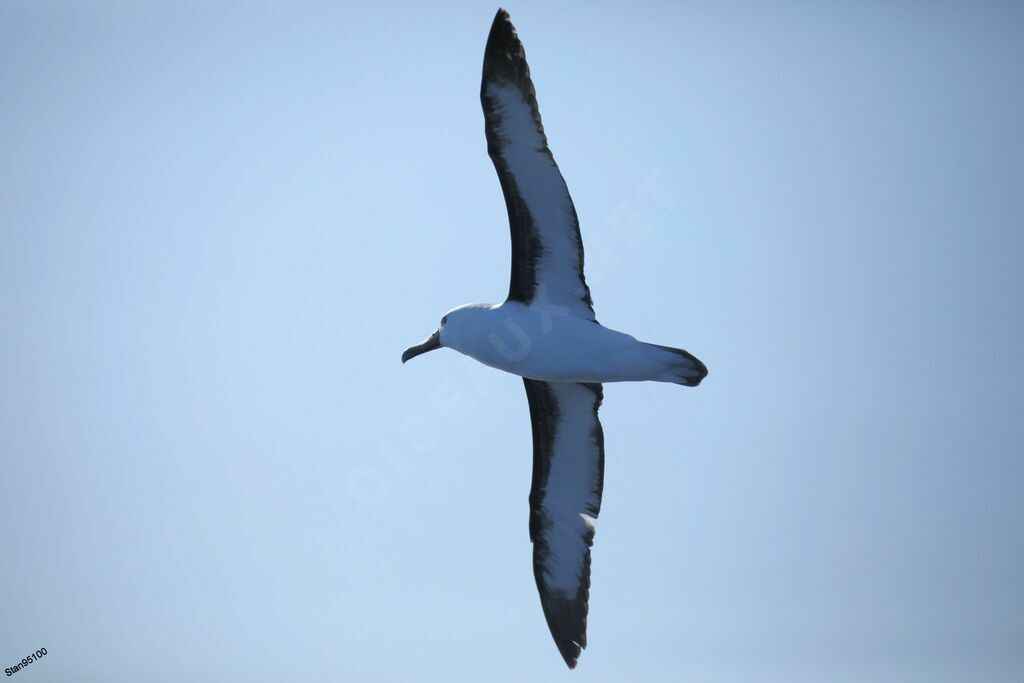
546	332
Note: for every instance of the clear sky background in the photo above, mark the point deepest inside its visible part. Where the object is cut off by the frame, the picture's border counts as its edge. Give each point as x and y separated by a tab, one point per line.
221	223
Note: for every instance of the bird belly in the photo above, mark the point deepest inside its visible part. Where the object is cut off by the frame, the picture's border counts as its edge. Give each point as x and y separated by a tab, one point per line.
564	349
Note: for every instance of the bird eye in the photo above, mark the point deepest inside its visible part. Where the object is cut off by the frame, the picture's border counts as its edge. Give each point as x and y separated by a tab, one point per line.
444	320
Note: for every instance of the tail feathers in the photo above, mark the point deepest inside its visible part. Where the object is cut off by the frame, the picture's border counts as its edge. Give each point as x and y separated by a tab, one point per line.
683	367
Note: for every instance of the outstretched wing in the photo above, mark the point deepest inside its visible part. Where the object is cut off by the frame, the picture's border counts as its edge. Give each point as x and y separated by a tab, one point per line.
547	252
565	499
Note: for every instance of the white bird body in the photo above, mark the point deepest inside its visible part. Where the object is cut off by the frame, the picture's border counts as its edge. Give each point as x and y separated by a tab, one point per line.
544	342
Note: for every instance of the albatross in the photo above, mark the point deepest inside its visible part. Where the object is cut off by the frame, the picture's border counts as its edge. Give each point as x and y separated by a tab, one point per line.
546	333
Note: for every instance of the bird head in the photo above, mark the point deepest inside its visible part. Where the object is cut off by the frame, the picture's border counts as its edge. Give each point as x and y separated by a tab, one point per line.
458	327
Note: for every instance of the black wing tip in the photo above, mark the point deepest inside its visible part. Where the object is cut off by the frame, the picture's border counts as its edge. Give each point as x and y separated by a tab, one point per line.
567	621
502	30
571	655
504	56
503	33
567	615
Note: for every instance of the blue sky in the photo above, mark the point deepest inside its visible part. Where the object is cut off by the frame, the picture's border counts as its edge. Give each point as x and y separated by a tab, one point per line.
221	224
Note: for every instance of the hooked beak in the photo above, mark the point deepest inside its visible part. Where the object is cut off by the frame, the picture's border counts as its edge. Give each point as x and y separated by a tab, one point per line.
429	344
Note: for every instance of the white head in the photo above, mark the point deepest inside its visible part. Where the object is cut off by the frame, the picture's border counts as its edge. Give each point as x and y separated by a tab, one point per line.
458	328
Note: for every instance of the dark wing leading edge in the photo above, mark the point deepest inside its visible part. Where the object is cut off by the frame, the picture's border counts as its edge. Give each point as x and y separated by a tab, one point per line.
547	252
565	499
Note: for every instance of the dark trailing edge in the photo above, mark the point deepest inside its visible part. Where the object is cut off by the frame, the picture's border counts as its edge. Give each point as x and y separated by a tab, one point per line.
505	65
552	405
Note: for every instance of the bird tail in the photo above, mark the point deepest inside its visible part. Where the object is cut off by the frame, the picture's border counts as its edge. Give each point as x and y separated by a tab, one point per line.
681	367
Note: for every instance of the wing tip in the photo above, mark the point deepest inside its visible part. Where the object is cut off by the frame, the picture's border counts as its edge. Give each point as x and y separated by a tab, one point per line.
571	658
504	55
567	621
502	28
567	615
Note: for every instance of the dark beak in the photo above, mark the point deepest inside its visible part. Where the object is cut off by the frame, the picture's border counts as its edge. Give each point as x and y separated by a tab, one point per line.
429	344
